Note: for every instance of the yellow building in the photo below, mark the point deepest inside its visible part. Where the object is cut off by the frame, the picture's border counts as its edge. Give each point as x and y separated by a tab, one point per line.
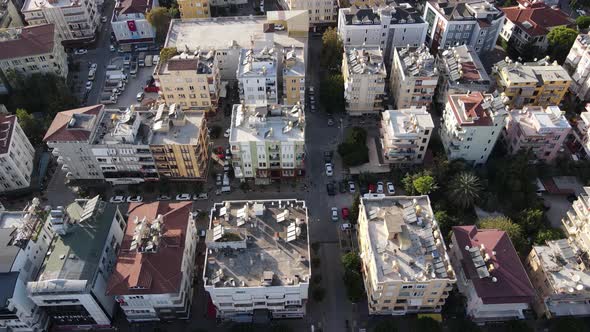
293	76
190	81
540	83
193	9
180	144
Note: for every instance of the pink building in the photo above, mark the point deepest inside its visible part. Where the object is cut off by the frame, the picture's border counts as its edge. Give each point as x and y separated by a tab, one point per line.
541	130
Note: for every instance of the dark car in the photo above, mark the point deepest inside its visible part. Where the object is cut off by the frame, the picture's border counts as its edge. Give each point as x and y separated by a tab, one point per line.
341	187
328	156
331	189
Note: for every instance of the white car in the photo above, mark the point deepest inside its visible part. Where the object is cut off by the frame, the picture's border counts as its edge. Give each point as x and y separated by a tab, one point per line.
380	187
279	27
103	19
390	188
345	227
93	66
80	51
112	48
183	197
201	196
329	169
330	122
311	91
134	199
351	187
334	214
88	85
163	198
117	199
227	132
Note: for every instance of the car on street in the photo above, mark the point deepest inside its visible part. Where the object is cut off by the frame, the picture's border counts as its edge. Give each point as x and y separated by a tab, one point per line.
328	156
92	66
201	196
335	214
134	199
89	85
330	122
345	227
351	187
380	187
341	187
218	179
390	188
329	169
226	165
227	133
103	19
372	188
312	108
330	189
80	51
140	96
311	91
183	197
117	199
163	198
219	152
112	48
345	213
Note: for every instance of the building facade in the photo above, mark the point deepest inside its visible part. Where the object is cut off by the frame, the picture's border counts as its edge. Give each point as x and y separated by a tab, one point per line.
16	155
74	21
129	22
321	12
258	76
452	23
405	135
293	76
31	50
540	130
194	9
267	142
10	14
153	278
471	125
258	280
581	135
539	83
364	74
404	262
490	275
578	65
413	78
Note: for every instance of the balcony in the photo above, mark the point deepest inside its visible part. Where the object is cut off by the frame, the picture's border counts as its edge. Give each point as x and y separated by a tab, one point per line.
61	160
65	168
55	152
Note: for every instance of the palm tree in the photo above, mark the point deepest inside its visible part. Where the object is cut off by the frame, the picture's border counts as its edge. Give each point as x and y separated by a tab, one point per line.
464	190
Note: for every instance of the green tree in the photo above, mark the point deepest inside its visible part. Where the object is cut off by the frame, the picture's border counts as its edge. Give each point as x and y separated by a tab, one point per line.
354	149
386	326
351	261
568	324
583	22
332	49
424	184
159	18
561	40
332	93
354	209
33	128
427	324
464	189
167	52
548	234
505	224
174	12
445	221
531	220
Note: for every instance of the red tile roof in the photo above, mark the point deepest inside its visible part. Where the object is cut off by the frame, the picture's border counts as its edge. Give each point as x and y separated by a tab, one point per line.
59	131
158	272
540	16
134	6
33	40
472	108
7	123
513	284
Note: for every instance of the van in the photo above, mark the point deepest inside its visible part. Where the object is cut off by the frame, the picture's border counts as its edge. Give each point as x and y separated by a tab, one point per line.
225	179
225	189
112	67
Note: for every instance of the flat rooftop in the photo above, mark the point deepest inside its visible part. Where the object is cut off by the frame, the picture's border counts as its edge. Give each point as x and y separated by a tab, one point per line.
536	120
402	13
294	61
408	121
541	71
258	243
560	263
417	62
462	65
251	123
123	127
406	243
30	5
182	128
11	219
364	60
476	108
257	62
201	62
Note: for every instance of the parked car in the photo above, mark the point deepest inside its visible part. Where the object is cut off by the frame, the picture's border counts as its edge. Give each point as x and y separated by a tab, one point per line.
330	122
92	66
103	19
345	213
163	198
140	96
89	85
330	189
134	199
218	179
328	156
335	214
227	133
345	227
279	27
380	187
219	152
372	188
80	51
390	188
226	165
329	169
201	196
183	197
351	187
117	199
311	91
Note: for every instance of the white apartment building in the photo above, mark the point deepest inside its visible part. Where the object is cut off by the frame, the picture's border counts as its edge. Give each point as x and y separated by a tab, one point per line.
267	142
577	64
31	50
471	125
320	11
406	268
154	272
75	21
364	76
387	27
130	24
414	77
475	23
257	263
16	155
229	35
460	70
405	135
26	239
581	134
71	285
258	77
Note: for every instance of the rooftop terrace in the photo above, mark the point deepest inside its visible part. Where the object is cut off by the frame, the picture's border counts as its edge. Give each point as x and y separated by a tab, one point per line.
462	65
257	62
542	71
536	120
407	122
417	62
565	269
173	126
365	60
200	61
293	61
273	123
123	127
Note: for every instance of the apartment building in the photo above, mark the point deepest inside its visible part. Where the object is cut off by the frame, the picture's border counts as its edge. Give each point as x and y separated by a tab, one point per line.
75	21
385	26
71	284
129	22
460	71
540	130
539	83
194	9
180	144
26	239
580	140
10	14
560	276
364	74
471	126
227	3
575	221
528	24
490	275
94	143
578	65
414	77
406	268
153	274
472	22
16	155
267	142
405	135
229	35
31	50
257	265
321	12
293	76
258	76
190	80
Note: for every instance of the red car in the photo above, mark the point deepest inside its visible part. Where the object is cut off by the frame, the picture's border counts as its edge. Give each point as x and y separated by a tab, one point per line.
372	188
219	152
150	88
345	213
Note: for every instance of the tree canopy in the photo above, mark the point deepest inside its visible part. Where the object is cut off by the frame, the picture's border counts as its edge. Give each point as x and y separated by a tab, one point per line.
583	22
159	18
354	149
561	40
505	224
424	184
332	49
332	93
464	189
32	127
